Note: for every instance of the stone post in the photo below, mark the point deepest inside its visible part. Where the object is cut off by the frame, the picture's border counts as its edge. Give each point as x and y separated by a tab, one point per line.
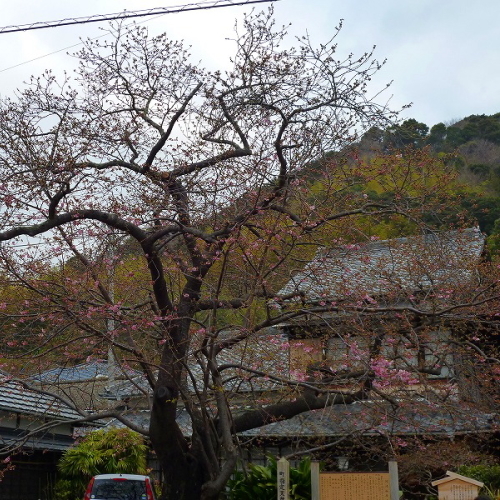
283	479
315	481
394	480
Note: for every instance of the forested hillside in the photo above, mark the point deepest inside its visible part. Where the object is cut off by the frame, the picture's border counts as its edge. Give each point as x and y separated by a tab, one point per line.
471	146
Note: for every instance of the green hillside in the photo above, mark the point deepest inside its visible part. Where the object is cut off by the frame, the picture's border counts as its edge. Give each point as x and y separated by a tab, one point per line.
471	146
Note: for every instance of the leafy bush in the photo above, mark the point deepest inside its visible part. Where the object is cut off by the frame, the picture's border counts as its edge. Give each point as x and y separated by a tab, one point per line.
487	474
101	452
260	482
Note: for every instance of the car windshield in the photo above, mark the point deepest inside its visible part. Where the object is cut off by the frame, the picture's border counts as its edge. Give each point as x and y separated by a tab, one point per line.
118	489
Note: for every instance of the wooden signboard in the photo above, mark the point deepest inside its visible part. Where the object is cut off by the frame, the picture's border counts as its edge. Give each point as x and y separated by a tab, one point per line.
355	486
457	487
458	490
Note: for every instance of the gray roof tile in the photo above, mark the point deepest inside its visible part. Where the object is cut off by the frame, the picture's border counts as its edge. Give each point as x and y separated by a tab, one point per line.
412	417
367	418
400	265
263	352
77	373
16	398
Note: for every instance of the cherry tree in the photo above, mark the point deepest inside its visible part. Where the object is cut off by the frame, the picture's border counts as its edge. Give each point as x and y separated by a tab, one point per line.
154	209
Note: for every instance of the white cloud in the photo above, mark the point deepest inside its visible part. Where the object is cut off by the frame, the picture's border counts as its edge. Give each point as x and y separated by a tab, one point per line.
442	55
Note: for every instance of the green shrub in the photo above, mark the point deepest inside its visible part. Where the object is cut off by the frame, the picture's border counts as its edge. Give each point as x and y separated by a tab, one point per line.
260	482
101	452
487	474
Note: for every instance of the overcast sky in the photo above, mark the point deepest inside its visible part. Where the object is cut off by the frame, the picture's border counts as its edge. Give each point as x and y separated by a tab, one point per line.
442	55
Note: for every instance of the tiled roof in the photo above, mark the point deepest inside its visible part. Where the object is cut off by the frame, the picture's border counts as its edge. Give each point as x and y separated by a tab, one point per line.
368	418
390	267
77	373
45	441
15	398
412	417
141	419
264	352
119	390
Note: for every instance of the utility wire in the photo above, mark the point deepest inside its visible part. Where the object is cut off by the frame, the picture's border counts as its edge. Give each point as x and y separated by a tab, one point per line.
162	13
125	15
45	55
71	46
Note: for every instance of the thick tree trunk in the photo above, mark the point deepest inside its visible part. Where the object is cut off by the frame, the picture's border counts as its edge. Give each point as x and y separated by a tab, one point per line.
182	471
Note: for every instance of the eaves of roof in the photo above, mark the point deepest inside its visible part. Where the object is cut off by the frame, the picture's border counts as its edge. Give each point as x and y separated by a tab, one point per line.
368	419
376	419
46	441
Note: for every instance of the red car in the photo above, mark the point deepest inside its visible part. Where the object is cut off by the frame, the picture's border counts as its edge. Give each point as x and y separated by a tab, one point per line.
120	487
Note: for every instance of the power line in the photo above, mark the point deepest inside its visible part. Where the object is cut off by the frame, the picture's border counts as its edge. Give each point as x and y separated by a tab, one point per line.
45	55
69	47
126	15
